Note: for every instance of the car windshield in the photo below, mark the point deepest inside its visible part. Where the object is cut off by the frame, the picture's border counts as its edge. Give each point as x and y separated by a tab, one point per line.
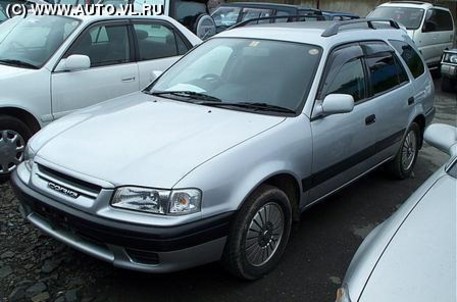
225	16
2	15
229	71
30	42
410	17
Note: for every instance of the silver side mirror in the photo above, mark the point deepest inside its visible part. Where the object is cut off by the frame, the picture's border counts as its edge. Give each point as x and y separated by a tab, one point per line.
337	103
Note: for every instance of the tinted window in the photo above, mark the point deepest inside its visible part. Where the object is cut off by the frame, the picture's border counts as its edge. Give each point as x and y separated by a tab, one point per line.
349	79
158	41
410	17
410	56
104	45
253	13
384	73
438	20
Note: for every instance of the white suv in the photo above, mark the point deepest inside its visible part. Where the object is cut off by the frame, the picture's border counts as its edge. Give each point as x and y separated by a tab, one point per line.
431	27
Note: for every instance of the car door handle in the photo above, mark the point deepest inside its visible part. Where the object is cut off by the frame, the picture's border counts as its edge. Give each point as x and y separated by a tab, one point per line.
411	100
128	79
371	119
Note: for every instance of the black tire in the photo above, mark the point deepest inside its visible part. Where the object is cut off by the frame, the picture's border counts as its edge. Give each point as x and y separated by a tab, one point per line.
8	126
446	85
402	165
268	201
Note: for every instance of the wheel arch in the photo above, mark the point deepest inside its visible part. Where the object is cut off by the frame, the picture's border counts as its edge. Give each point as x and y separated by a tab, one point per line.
289	185
420	120
29	119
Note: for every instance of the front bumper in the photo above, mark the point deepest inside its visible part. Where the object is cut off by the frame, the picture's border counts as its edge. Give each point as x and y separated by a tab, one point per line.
126	245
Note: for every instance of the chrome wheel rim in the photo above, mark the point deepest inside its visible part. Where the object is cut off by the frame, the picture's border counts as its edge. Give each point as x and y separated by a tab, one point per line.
408	150
264	234
12	146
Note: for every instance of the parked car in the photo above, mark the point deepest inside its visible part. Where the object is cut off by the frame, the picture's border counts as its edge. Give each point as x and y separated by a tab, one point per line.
70	63
449	70
338	16
3	15
412	255
229	145
431	27
229	14
193	14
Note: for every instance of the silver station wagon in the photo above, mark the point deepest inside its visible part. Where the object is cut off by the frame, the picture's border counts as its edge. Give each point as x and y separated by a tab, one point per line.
220	154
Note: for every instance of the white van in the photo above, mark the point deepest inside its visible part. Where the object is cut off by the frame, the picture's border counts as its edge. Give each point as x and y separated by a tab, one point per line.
431	27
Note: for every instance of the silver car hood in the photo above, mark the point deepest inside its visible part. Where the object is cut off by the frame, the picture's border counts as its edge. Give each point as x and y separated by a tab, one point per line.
419	264
146	141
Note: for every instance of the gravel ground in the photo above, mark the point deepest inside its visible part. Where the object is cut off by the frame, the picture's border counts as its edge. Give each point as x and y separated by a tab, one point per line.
34	267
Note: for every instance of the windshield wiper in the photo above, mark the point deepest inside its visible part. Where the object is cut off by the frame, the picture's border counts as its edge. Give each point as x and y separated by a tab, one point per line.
188	94
253	105
18	63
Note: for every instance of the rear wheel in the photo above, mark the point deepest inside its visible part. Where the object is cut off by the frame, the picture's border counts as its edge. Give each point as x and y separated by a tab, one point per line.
402	165
259	234
14	135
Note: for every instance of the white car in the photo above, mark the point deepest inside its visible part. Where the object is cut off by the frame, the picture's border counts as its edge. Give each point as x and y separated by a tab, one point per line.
412	255
53	65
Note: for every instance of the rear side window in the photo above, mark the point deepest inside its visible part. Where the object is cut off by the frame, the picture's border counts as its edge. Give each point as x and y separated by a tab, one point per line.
158	41
438	20
410	56
385	73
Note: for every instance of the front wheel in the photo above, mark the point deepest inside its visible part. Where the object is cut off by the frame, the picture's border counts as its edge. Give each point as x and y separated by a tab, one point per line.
259	234
402	165
14	134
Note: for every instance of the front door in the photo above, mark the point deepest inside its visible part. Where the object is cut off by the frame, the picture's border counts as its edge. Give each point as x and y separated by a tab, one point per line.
112	73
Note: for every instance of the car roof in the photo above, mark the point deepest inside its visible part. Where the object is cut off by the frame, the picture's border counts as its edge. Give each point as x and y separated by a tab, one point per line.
311	32
266	5
102	17
415	4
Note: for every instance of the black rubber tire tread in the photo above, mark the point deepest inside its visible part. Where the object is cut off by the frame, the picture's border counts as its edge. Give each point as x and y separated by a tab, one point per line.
8	122
394	167
233	258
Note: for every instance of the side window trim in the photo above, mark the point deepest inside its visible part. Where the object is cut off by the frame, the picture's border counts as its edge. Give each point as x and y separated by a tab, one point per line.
341	61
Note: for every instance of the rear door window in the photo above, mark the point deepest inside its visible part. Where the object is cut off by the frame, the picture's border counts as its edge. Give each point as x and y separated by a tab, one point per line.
158	41
410	56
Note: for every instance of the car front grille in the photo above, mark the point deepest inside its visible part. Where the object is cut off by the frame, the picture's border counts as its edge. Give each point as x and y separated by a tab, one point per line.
82	187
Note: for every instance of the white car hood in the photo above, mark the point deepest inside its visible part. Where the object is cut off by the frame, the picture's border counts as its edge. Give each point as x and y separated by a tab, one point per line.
146	141
419	264
9	72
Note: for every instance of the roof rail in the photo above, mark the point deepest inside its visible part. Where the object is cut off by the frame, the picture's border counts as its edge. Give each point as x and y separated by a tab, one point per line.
334	28
410	2
290	18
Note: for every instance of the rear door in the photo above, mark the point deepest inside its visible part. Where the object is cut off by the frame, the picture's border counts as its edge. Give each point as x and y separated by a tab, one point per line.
159	44
392	93
113	71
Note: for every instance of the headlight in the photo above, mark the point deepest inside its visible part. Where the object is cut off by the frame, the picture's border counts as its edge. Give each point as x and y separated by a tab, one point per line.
453	58
450	57
342	294
165	202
